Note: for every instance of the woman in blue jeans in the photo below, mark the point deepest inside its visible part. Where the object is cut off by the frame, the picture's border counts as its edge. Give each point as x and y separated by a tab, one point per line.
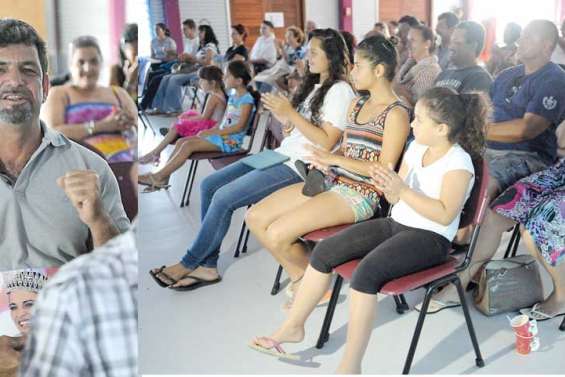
318	113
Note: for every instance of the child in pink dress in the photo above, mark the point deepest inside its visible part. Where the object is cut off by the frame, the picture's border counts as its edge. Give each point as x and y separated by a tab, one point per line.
191	122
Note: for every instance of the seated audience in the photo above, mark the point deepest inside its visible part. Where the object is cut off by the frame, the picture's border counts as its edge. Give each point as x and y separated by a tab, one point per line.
381	27
505	56
237	51
404	25
126	73
376	131
529	104
310	27
103	117
58	199
227	136
264	52
464	74
165	93
419	72
292	51
163	47
190	40
445	27
190	123
434	182
316	116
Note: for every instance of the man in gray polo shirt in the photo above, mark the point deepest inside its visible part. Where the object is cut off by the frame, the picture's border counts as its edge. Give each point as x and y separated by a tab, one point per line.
464	74
57	199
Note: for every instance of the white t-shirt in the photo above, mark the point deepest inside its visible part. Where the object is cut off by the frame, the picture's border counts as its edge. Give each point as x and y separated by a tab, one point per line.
264	48
334	111
191	46
428	180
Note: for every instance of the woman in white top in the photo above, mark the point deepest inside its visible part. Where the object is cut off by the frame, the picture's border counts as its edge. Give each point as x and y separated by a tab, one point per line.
434	182
316	116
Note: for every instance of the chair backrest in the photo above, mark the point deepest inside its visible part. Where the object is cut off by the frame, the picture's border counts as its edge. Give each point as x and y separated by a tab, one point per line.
252	131
475	208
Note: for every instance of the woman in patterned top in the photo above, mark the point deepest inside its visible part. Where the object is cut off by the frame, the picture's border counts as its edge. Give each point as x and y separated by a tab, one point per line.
376	133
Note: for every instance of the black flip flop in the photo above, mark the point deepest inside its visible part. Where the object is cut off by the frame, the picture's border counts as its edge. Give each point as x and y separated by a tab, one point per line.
314	184
159	281
199	283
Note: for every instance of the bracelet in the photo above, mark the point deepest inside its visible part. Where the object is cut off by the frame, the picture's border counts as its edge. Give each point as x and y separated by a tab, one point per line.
89	127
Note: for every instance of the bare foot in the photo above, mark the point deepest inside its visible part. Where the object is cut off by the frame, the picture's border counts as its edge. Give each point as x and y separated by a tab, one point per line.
285	334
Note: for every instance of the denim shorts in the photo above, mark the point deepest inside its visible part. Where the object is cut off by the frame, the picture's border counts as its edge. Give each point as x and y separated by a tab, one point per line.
507	166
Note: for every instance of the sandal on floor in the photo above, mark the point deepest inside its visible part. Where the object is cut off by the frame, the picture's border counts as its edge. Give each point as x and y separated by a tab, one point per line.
538	315
155	276
198	283
152	183
274	348
437	306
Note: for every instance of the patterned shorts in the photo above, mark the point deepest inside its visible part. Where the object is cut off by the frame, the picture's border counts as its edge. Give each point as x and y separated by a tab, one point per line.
363	207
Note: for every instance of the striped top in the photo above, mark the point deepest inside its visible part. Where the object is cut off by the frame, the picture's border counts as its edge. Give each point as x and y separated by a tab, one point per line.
363	142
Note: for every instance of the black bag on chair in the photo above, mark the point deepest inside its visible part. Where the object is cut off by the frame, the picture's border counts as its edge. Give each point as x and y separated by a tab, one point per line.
508	285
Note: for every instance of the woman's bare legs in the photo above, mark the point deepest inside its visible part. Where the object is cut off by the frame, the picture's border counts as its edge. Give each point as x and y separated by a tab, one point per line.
170	137
362	311
278	231
314	285
183	150
555	303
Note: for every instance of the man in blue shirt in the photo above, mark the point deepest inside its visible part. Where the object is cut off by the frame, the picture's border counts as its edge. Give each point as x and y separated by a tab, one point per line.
529	104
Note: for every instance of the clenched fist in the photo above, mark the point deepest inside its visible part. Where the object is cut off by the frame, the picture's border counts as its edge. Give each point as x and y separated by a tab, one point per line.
83	190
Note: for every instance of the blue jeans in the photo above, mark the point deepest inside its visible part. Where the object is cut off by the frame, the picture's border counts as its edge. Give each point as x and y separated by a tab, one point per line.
228	189
169	95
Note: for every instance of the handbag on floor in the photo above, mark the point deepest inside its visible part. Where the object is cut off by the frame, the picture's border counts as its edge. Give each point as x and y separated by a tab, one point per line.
508	285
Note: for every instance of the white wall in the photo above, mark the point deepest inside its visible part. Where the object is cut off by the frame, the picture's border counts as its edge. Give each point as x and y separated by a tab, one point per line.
213	12
325	13
365	14
84	18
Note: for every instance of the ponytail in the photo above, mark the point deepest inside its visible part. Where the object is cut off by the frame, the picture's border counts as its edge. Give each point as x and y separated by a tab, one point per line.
465	114
472	136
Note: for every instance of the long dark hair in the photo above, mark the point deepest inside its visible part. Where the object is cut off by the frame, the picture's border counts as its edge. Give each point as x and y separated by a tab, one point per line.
465	114
334	46
209	35
214	74
241	70
378	49
164	27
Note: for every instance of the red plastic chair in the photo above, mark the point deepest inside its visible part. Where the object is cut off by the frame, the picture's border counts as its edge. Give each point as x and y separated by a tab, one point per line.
197	157
431	278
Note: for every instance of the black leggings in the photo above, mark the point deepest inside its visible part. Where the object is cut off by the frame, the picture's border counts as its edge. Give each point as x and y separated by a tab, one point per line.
389	250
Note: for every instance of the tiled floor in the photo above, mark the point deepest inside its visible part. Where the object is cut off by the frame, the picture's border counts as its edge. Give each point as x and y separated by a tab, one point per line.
206	331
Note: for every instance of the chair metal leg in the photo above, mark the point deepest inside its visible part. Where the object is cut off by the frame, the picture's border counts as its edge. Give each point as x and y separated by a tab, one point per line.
243	227
186	184
244	248
146	122
562	326
418	330
401	304
191	185
277	283
516	243
325	332
479	359
514	239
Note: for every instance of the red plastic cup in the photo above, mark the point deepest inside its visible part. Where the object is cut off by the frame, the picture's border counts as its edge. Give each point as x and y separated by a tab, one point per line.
521	325
525	331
